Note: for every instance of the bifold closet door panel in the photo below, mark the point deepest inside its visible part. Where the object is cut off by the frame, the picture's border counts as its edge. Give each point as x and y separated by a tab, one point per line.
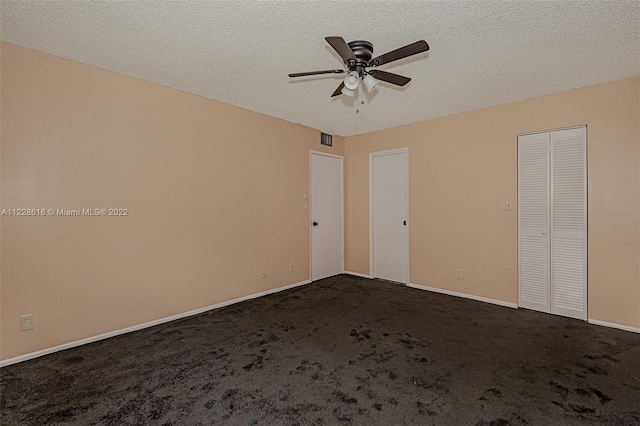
569	223
533	222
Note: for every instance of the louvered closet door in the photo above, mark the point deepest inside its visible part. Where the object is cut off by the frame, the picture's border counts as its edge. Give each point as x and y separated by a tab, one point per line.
533	222
552	222
569	223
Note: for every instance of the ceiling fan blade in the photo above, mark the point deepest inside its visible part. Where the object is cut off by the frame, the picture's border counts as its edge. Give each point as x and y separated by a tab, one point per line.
338	90
341	46
389	77
403	52
304	74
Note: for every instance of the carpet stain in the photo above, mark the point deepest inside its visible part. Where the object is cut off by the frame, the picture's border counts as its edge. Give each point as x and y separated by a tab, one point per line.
581	409
582	392
75	359
256	363
601	396
496	422
559	389
338	396
408	343
490	393
597	370
361	335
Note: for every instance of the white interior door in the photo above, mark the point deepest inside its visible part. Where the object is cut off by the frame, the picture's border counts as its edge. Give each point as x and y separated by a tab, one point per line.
389	215
326	216
552	222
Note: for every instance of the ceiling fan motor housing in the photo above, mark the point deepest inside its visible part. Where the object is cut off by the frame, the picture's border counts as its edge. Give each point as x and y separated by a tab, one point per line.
363	51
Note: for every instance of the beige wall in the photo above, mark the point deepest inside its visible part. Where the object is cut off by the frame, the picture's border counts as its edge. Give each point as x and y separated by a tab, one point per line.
463	167
214	194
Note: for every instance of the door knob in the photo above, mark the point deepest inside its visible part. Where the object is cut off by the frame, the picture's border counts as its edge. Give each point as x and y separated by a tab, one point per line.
315	223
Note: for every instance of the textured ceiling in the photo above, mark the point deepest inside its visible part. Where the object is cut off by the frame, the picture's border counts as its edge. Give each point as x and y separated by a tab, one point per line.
482	53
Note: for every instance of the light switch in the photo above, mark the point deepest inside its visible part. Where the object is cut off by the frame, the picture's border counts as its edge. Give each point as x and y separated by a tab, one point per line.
508	205
306	205
305	196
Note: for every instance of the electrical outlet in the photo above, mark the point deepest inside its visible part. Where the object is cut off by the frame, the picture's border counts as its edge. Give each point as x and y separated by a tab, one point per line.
460	274
26	322
264	275
291	267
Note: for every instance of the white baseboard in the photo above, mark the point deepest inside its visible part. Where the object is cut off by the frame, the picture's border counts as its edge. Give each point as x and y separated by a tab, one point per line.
464	295
614	325
356	274
515	305
137	327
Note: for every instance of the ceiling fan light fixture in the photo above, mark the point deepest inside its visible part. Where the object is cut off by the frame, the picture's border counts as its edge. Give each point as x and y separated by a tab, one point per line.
347	92
370	82
352	80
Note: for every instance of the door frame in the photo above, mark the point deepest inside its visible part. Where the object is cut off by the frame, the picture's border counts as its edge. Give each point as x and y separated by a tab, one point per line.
310	218
373	155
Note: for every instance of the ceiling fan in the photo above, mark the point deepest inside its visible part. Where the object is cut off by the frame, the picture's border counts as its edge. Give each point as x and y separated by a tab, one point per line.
357	58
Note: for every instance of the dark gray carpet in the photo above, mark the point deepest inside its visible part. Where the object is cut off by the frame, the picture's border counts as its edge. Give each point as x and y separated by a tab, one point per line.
343	350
